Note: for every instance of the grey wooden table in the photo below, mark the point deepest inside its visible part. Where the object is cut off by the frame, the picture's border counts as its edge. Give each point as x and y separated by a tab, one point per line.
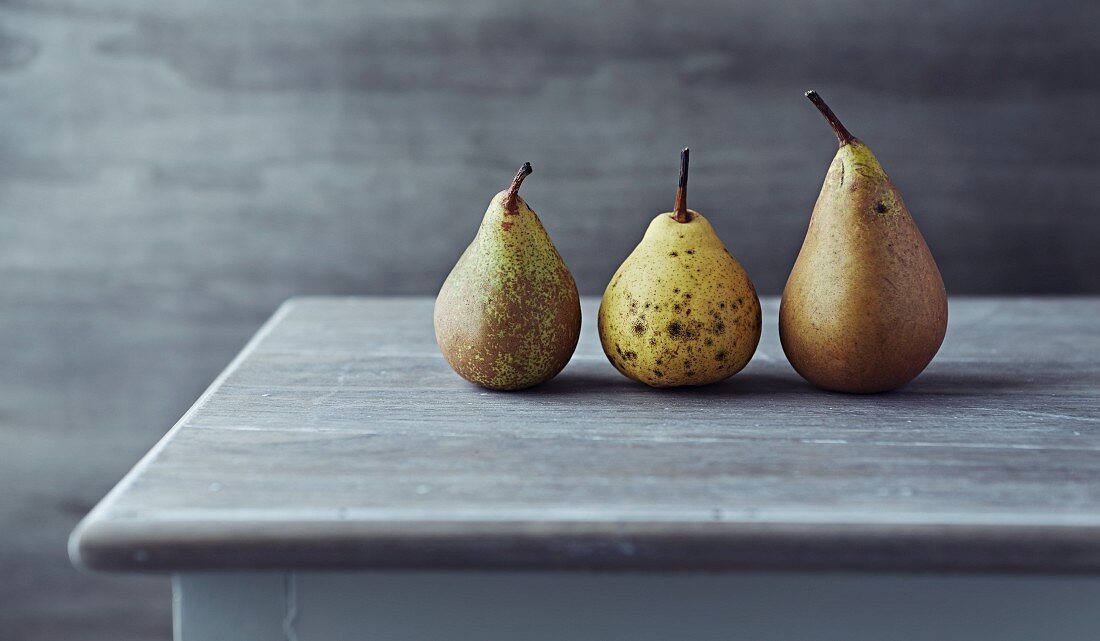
338	481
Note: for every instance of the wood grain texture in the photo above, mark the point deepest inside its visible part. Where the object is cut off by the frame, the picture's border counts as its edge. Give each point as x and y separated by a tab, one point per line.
340	438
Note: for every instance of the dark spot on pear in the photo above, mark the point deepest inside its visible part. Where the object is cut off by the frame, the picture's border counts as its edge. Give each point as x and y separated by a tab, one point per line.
673	254
653	341
708	342
689	373
722	305
675	329
675	290
719	327
880	208
676	307
631	355
691	252
720	356
658	373
639	328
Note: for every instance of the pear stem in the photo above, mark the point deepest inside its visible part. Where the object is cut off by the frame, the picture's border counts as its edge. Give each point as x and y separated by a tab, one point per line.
510	204
843	136
680	210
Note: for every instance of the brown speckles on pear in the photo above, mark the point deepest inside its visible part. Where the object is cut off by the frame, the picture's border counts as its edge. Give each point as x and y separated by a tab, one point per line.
508	315
682	347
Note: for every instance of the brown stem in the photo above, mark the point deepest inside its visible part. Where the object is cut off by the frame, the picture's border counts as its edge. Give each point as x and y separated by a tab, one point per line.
843	136
680	210
510	204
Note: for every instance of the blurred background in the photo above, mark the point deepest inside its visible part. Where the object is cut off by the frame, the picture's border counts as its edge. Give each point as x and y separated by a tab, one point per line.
171	171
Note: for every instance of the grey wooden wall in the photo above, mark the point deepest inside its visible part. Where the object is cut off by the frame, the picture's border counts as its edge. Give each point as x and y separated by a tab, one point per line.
170	171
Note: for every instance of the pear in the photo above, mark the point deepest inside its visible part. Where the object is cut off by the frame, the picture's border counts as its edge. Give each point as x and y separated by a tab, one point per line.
508	316
680	310
864	309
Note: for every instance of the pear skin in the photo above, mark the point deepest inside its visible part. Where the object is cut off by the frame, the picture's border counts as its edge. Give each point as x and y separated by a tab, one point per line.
864	309
508	316
680	310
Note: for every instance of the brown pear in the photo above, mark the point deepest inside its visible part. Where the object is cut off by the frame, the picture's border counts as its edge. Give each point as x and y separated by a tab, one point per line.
864	309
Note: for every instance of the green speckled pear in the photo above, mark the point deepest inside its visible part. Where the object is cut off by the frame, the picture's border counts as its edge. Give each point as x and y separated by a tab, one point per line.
508	316
680	310
864	309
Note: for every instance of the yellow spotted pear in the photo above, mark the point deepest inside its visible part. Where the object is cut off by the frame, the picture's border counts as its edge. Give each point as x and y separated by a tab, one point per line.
680	310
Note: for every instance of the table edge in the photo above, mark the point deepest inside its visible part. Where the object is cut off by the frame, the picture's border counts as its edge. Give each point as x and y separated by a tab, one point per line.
129	546
88	524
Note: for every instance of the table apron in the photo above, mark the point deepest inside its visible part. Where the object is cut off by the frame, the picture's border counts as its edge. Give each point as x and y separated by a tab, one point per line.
546	606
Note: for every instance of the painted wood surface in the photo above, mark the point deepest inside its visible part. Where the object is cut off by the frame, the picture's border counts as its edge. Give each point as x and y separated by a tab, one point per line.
340	438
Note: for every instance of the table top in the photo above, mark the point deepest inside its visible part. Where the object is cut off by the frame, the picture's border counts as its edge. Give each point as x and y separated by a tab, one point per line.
339	438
